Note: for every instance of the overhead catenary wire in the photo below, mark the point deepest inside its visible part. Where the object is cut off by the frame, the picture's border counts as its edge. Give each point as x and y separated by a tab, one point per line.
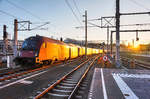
37	17
40	26
73	12
143	24
140	5
8	14
122	25
77	8
19	7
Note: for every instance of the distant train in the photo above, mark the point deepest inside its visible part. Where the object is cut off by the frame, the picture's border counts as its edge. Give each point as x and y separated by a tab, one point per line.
43	50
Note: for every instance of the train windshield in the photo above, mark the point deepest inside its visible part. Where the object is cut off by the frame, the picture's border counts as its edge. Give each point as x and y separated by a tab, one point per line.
29	44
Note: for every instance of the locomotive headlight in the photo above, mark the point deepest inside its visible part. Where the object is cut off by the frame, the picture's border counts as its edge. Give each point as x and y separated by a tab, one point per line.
36	54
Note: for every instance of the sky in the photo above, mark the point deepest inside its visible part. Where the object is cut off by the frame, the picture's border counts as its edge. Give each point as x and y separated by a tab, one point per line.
63	21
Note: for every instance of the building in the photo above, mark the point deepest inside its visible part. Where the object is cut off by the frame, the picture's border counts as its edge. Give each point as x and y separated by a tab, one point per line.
10	46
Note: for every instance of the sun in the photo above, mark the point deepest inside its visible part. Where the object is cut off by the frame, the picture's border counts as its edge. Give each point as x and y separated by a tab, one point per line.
136	45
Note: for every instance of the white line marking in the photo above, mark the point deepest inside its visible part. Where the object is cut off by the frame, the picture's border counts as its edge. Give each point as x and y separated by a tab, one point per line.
26	82
103	85
124	87
146	76
1	87
92	85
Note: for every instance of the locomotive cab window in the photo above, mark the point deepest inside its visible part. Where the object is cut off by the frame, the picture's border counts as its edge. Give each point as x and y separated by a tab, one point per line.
29	44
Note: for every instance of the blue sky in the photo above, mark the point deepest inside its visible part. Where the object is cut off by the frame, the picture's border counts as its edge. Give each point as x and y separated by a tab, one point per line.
63	22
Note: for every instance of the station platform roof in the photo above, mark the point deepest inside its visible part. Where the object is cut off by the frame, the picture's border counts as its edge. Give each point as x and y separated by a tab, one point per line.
120	84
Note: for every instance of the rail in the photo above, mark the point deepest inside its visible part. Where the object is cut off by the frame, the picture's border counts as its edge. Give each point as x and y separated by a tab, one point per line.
84	75
62	79
16	74
137	62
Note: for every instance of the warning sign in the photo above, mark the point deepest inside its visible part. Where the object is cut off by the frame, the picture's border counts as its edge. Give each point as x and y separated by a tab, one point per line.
105	58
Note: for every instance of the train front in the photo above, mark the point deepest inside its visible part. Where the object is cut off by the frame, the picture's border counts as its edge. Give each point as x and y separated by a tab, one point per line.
29	52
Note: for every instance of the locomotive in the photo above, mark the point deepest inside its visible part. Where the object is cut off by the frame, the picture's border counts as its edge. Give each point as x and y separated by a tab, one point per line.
43	50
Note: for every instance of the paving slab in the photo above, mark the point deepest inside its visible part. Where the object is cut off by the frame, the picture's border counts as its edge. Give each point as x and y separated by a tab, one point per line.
120	84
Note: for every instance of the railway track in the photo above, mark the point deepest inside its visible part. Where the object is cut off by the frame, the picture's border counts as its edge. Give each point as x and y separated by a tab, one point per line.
139	64
17	70
69	86
10	71
143	65
21	71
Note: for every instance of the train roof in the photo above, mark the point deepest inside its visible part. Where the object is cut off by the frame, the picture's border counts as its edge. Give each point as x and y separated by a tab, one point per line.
42	38
51	40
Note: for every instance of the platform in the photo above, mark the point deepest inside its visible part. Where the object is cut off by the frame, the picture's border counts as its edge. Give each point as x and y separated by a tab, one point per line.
120	84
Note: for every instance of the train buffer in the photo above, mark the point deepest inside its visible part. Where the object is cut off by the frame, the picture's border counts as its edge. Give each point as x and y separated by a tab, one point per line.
120	84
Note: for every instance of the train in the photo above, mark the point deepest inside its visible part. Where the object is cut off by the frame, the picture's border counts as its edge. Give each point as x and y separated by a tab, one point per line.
43	50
